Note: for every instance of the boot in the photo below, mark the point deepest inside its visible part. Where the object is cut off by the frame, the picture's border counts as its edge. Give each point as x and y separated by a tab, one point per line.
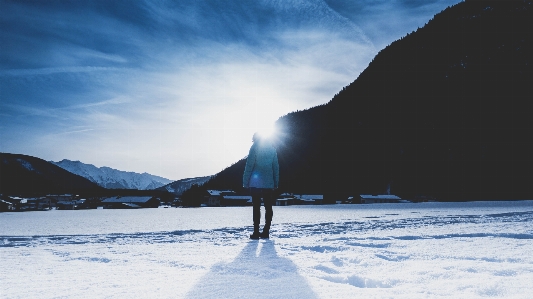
266	230
256	234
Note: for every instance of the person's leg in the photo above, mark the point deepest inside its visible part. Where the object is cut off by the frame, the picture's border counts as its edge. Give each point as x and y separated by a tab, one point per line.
256	202
268	199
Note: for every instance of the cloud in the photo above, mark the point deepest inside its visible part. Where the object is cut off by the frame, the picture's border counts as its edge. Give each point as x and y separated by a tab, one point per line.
54	70
384	21
177	88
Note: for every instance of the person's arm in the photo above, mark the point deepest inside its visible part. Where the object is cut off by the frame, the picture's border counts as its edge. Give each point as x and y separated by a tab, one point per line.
275	170
250	161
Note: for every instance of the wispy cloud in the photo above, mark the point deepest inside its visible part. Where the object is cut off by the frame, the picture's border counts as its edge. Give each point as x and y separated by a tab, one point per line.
176	88
55	70
73	132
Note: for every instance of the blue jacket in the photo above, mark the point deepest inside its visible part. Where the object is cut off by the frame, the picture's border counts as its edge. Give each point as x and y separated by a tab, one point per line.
262	168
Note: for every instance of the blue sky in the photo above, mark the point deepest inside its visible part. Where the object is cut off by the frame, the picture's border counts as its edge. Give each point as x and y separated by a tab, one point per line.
177	88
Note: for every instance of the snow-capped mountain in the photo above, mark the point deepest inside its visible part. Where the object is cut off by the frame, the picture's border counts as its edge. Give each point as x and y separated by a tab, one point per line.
111	178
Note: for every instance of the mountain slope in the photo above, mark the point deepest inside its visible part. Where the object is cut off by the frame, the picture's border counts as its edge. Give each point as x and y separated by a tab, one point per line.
21	174
111	178
178	187
452	100
441	112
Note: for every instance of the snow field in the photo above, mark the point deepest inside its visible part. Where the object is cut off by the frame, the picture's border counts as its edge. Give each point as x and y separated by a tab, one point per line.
439	250
417	267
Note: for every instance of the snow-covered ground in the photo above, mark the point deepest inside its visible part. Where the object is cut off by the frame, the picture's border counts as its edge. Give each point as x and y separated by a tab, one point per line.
427	250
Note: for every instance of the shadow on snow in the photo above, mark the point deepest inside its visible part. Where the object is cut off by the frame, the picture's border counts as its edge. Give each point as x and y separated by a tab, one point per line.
257	272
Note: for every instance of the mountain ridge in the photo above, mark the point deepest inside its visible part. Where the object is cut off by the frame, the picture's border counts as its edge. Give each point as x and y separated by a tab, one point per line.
112	178
27	175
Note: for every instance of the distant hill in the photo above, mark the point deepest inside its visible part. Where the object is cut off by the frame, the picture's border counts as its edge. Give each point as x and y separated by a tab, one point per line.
111	178
178	187
26	175
442	112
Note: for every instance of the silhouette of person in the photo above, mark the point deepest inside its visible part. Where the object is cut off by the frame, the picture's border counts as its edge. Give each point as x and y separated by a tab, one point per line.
261	175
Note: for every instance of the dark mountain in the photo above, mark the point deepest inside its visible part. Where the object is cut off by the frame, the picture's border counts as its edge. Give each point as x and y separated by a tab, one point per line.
26	175
442	112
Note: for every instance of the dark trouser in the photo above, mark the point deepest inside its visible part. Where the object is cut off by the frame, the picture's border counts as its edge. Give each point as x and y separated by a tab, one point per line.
268	201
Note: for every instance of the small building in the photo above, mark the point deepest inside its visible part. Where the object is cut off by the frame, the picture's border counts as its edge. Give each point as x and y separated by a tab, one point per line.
384	198
6	206
17	203
130	202
30	204
236	200
283	201
75	204
213	201
215	197
349	200
309	199
62	197
42	203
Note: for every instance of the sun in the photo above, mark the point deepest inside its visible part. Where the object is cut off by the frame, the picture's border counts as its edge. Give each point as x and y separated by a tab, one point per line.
267	132
272	133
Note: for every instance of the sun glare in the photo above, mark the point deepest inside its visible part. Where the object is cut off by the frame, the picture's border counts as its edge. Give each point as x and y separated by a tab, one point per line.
268	132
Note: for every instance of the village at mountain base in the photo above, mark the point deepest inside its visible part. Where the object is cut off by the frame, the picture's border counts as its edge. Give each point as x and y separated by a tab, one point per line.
213	198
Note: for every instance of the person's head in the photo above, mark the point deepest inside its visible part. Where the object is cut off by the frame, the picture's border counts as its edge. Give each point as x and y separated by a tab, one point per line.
260	139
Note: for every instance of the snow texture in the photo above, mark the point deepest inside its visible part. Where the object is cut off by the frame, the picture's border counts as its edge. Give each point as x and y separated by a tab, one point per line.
26	164
111	178
426	250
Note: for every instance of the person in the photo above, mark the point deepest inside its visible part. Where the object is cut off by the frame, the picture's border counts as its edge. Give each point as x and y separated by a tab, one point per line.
261	175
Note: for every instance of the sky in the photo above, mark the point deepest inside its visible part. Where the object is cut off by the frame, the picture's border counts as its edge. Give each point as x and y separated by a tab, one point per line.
177	88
